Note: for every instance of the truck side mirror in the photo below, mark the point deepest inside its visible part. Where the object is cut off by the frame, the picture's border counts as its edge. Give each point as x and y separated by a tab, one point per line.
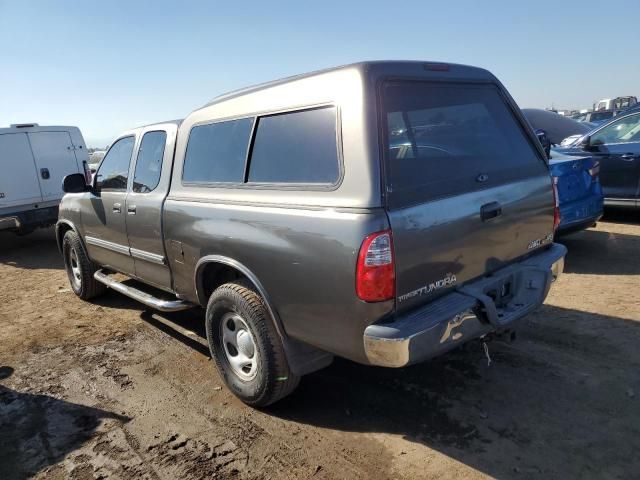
74	183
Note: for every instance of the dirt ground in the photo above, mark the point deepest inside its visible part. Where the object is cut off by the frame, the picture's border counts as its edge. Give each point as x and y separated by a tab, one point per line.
108	390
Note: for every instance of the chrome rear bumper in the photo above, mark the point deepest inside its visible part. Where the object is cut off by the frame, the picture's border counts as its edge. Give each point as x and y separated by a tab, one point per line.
475	309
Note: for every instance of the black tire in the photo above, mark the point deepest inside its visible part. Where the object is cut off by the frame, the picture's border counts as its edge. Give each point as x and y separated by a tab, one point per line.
272	378
82	282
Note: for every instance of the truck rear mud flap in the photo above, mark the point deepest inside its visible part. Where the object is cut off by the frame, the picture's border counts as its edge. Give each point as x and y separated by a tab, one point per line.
475	309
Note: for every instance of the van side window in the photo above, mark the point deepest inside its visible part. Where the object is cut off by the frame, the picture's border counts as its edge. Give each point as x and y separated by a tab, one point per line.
217	152
296	147
149	162
114	169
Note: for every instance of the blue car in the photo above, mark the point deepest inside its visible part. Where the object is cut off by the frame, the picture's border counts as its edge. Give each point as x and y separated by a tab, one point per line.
577	178
579	192
616	146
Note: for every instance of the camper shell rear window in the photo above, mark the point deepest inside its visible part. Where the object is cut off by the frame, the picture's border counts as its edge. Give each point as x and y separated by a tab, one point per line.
443	139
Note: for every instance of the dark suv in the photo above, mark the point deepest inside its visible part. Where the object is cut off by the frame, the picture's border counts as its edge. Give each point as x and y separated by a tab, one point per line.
384	212
616	146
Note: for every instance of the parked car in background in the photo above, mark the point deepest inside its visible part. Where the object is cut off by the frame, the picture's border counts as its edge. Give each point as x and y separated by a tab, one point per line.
616	146
597	118
579	114
631	109
618	103
291	212
95	158
556	127
579	191
34	161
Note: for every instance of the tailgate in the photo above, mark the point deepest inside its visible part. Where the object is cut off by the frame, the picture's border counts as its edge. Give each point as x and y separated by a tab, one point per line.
445	243
467	191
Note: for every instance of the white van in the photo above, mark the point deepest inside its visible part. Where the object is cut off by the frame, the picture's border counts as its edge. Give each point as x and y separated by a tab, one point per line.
33	162
618	103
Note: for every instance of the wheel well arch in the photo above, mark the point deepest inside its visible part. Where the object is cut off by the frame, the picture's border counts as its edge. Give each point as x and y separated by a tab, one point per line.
214	274
215	270
62	227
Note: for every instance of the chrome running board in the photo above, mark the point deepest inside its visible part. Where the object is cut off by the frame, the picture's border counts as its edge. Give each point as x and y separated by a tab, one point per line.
140	296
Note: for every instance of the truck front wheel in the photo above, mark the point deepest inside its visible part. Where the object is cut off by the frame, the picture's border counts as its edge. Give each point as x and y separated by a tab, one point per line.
246	347
79	268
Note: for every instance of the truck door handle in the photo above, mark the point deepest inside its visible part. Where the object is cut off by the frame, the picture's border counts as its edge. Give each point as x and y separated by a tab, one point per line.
490	210
44	173
131	209
629	157
117	208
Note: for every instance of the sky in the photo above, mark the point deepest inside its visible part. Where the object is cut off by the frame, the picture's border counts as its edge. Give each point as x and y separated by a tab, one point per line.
112	65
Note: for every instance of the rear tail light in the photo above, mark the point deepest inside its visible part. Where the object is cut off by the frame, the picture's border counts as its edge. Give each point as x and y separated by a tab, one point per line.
594	171
375	271
556	204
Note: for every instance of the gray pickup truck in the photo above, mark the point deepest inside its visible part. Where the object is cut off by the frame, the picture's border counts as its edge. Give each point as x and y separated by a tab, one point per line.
384	212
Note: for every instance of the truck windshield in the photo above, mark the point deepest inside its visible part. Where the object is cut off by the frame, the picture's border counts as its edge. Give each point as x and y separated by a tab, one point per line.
447	139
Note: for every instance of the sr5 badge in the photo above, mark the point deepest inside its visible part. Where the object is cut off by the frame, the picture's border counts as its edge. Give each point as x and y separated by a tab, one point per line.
540	241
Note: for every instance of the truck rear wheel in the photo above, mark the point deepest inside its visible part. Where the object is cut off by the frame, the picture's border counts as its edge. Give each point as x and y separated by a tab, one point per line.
79	268
246	347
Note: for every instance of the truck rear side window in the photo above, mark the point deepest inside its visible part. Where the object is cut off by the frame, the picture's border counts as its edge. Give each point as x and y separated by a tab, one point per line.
448	139
149	162
217	152
296	147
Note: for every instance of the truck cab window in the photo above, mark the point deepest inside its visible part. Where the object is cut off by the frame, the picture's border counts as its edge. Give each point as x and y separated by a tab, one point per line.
149	162
114	169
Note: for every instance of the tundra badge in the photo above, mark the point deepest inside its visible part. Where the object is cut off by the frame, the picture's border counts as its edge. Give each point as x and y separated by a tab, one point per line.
448	281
